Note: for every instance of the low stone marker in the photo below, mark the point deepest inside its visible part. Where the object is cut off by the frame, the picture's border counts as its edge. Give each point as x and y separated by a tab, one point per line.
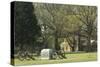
46	53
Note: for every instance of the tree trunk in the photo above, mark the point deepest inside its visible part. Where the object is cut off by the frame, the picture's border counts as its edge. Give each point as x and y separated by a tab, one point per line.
75	43
88	44
79	43
57	47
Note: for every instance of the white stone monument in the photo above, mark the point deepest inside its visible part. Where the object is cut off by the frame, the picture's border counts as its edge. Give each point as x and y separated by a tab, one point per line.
46	53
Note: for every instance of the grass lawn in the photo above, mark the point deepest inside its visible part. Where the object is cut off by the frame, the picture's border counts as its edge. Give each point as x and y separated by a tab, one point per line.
74	57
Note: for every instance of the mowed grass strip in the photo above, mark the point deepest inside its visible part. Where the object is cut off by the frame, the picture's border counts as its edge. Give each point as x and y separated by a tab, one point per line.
77	57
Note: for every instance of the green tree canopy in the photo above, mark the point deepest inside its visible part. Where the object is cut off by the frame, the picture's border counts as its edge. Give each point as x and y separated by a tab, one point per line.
26	28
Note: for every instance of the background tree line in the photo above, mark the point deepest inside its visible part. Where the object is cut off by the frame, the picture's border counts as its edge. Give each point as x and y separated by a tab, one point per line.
68	21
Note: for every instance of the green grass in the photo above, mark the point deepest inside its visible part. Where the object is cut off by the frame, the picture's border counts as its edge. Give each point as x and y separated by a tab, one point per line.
77	57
